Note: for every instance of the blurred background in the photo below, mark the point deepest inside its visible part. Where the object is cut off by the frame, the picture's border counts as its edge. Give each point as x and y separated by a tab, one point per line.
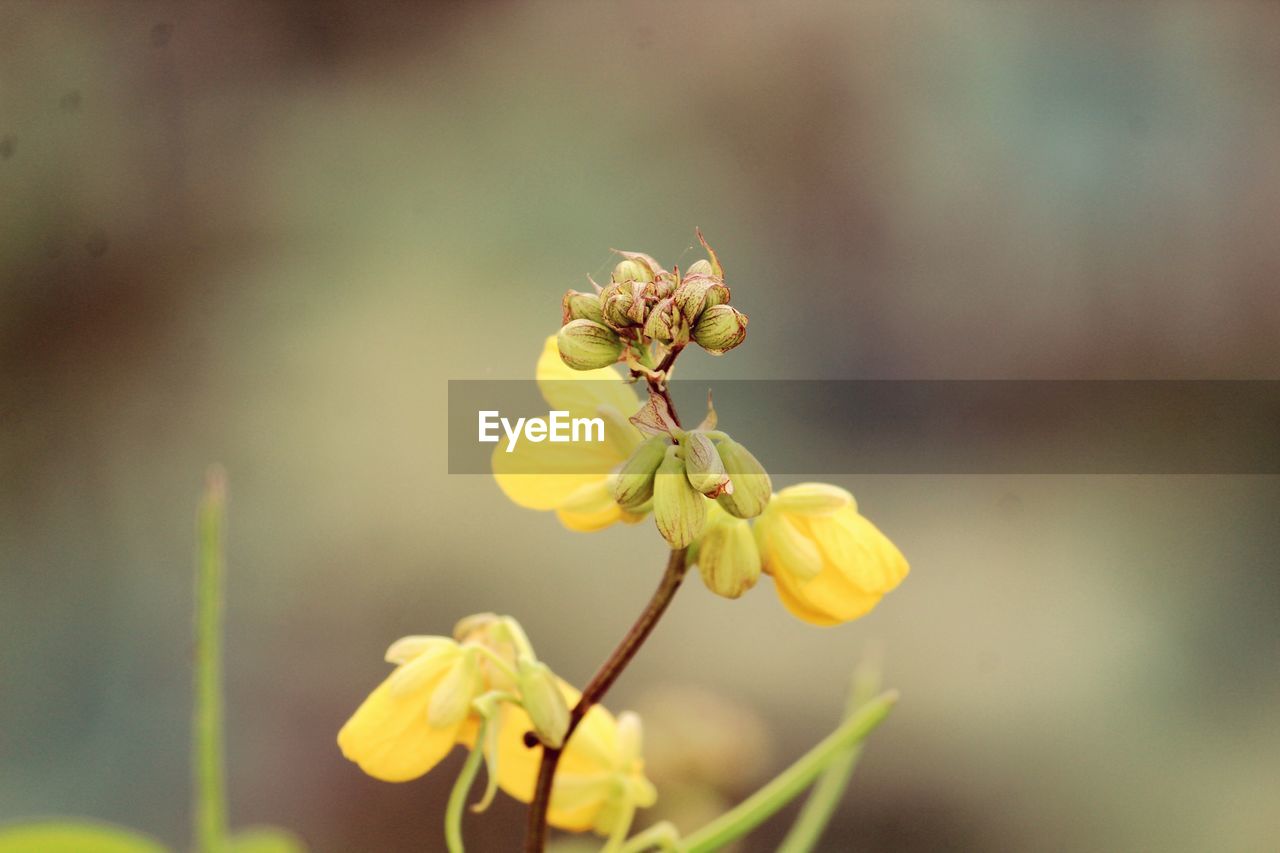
266	234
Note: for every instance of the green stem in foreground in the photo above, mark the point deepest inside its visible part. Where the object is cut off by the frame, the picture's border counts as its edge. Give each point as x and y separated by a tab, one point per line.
536	834
761	805
462	787
827	792
209	776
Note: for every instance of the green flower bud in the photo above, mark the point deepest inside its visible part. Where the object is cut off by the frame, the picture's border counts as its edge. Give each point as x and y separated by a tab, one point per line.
703	466
542	700
720	329
663	322
634	486
662	286
623	304
702	267
581	306
698	292
728	558
679	511
751	485
632	270
585	345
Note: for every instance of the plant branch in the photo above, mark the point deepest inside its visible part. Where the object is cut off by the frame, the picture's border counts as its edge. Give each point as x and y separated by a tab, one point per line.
761	805
536	836
825	796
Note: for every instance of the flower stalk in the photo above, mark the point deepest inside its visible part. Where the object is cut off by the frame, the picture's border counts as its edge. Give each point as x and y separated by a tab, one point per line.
623	654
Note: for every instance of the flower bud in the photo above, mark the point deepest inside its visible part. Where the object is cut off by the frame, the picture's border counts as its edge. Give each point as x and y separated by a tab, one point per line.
585	345
580	306
697	293
728	558
751	485
542	700
662	286
679	511
703	466
632	270
720	329
702	267
662	322
634	486
623	304
815	499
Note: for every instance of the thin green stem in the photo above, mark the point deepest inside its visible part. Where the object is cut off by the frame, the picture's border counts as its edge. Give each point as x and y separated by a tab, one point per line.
761	805
663	836
210	775
825	797
461	787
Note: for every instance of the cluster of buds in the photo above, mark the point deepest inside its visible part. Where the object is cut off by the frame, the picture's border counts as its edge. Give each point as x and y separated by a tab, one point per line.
701	486
645	303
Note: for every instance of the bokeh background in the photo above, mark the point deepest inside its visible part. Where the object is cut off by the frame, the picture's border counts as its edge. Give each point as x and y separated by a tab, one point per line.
267	233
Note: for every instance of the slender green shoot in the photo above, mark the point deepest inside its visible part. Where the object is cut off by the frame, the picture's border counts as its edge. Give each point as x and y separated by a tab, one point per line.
461	787
209	773
784	788
825	797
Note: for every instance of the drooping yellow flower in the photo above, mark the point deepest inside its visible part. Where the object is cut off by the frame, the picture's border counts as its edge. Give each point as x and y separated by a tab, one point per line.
412	720
829	563
574	479
600	780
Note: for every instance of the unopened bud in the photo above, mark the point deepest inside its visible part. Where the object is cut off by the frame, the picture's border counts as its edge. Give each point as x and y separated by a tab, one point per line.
580	306
814	499
720	329
662	322
728	558
585	345
703	466
679	511
697	293
632	270
543	702
702	267
751	485
634	486
622	304
662	286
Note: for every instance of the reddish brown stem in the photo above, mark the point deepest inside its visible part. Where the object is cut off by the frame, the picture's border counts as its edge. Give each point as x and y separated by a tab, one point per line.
536	836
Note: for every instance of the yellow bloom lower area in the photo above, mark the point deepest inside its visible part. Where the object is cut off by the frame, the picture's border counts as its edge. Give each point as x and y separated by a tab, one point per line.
829	563
412	720
390	735
600	778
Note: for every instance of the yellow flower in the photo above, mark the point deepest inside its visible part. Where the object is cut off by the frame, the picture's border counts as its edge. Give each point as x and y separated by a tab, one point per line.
412	720
576	480
600	780
829	564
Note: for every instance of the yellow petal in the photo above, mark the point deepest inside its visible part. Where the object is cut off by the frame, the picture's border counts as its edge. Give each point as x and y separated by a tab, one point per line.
590	507
582	392
588	759
542	476
784	547
388	735
406	649
858	550
827	599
